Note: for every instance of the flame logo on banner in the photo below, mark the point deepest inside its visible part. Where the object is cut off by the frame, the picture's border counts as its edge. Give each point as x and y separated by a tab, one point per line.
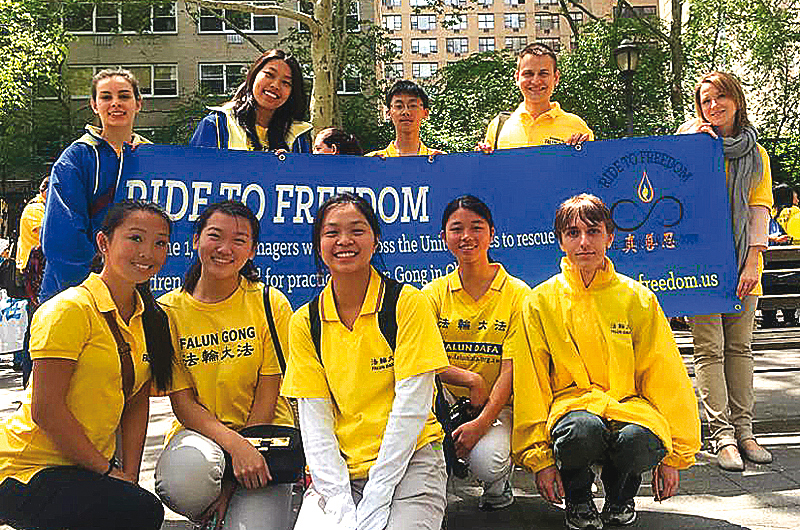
645	188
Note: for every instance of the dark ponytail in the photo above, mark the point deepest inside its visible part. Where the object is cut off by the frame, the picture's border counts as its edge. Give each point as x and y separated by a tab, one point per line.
234	209
160	352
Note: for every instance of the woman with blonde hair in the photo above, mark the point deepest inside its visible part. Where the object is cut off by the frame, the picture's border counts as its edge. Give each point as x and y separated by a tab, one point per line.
722	342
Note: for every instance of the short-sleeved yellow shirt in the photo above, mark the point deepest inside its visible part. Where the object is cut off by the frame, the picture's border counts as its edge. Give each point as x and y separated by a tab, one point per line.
71	326
358	369
521	130
223	348
478	334
391	150
29	225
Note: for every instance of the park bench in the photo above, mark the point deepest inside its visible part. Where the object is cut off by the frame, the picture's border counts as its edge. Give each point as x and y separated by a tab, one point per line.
781	278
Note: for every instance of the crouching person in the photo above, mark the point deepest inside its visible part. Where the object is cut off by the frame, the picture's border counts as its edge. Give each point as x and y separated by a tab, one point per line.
604	383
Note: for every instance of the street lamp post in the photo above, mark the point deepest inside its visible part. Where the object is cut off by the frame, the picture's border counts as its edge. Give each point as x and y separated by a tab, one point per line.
626	55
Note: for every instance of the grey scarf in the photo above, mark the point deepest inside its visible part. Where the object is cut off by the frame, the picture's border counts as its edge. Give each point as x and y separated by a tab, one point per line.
745	171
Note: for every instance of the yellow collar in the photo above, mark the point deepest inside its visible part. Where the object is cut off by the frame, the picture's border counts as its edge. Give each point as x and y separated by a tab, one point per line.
454	282
601	278
99	292
391	149
554	112
372	301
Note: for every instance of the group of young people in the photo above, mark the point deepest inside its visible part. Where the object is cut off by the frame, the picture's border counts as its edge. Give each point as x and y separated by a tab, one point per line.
578	371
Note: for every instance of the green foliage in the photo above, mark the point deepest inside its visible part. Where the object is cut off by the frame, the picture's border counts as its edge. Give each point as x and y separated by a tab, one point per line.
591	85
182	119
465	96
784	155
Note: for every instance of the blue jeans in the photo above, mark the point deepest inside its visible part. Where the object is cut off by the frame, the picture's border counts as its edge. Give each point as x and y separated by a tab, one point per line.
625	450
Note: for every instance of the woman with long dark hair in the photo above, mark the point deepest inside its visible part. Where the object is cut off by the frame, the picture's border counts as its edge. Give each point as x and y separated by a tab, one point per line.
228	380
265	114
364	354
92	372
722	342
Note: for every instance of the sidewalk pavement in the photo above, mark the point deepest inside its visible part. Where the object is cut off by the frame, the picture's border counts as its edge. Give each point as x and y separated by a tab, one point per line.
764	497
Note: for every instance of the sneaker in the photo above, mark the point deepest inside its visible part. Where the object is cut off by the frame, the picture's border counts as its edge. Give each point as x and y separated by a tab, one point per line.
619	514
583	516
490	503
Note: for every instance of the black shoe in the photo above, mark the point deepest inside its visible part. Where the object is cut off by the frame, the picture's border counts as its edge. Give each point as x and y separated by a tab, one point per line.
619	514
583	516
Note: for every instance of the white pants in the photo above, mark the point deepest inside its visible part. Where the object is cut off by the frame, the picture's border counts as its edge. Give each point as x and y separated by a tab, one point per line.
490	459
189	478
420	498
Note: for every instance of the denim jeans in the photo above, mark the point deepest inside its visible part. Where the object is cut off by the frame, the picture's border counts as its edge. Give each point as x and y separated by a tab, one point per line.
625	450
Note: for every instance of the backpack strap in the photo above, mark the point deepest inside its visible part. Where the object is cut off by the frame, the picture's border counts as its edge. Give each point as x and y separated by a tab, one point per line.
502	118
315	325
387	316
124	351
273	333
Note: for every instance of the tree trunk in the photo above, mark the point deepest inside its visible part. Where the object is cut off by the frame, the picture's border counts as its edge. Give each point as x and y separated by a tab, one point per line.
676	52
323	93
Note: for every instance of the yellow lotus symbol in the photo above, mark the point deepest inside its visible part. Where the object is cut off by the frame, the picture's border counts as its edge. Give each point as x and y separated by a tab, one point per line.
645	188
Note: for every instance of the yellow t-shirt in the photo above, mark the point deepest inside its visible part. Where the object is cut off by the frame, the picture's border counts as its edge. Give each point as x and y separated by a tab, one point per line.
223	348
391	150
760	195
789	219
478	334
359	370
29	225
520	130
606	349
71	326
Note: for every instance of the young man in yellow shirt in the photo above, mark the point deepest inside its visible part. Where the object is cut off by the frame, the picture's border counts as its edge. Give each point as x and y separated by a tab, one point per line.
537	120
603	382
407	107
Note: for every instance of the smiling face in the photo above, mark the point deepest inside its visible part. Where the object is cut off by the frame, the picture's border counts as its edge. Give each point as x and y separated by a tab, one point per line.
407	113
468	236
536	77
347	241
136	249
719	109
585	245
273	85
115	103
224	245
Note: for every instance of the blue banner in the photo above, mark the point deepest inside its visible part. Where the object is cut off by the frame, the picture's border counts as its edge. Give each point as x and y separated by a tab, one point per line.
667	196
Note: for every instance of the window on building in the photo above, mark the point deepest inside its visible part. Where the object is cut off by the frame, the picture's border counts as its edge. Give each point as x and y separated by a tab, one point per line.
418	3
392	22
423	22
554	43
485	21
396	46
455	22
455	3
391	3
394	71
516	43
485	3
458	45
423	70
546	3
642	11
514	2
307	7
248	22
546	22
350	83
485	44
577	16
221	78
424	46
514	20
154	79
133	16
354	17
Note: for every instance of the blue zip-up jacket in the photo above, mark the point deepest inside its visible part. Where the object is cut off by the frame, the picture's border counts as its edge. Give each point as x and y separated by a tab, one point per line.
81	179
222	130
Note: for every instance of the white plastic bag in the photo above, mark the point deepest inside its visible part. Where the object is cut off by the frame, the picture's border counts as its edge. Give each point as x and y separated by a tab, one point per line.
13	322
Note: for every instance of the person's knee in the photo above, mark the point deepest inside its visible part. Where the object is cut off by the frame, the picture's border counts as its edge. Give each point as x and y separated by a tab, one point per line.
579	439
636	449
490	459
189	473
